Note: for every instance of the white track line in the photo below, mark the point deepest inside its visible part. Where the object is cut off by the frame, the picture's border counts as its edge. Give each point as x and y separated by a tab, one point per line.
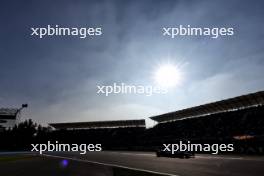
219	157
140	154
111	165
197	156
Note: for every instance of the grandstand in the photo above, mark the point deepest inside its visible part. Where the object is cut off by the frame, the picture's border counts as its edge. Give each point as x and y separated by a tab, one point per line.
100	124
237	103
10	116
238	120
119	134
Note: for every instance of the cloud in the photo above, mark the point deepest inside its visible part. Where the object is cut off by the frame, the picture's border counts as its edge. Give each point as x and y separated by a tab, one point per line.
58	76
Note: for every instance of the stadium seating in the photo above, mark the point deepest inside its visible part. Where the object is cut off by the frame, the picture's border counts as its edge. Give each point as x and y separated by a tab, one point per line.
241	127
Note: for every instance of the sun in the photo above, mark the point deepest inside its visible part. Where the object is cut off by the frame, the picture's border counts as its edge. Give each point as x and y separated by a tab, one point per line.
168	75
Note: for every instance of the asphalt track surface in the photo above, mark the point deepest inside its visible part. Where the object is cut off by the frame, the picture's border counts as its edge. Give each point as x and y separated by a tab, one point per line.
201	165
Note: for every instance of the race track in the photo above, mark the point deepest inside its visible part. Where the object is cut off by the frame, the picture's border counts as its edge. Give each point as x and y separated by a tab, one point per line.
201	165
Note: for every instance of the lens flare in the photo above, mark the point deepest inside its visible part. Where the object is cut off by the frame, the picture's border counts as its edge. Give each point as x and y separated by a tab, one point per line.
64	163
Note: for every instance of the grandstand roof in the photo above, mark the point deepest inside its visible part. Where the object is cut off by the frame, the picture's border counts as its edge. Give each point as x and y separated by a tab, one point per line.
8	113
231	104
100	124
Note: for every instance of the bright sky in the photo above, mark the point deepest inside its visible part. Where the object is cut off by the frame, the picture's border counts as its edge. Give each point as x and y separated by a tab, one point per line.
57	77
